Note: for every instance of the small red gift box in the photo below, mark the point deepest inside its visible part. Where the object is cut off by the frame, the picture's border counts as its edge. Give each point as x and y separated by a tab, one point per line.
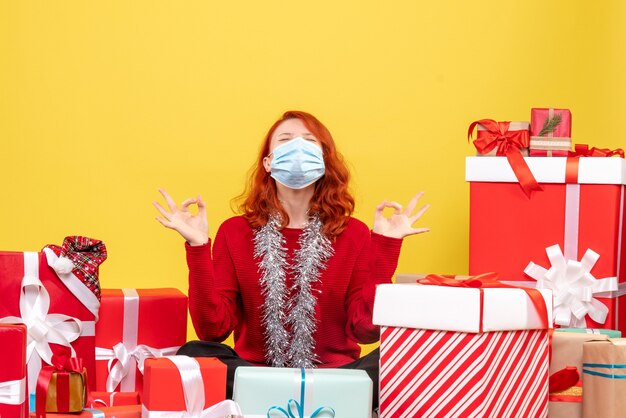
62	387
574	227
136	324
169	381
125	411
107	399
56	303
550	132
13	371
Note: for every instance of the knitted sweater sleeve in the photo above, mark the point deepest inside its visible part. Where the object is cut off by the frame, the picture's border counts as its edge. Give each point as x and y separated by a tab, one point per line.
213	289
376	264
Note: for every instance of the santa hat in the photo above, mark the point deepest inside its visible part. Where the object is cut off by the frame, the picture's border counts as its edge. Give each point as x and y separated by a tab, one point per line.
82	256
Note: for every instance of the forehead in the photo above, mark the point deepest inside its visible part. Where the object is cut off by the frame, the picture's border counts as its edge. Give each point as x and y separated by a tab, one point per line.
292	126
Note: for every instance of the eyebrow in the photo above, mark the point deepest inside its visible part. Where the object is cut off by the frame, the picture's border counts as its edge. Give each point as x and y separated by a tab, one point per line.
291	133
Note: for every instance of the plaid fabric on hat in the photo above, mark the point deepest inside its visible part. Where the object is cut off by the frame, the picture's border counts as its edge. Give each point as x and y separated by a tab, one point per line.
86	254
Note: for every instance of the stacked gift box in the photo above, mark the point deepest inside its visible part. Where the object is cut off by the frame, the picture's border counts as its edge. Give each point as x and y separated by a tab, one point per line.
554	221
75	350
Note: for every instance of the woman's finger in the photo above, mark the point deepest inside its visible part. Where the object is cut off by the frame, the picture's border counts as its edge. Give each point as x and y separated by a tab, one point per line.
163	212
412	203
418	231
185	205
164	222
169	200
419	213
201	204
397	206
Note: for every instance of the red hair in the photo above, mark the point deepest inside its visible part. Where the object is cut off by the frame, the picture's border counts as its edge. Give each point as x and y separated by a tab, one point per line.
331	198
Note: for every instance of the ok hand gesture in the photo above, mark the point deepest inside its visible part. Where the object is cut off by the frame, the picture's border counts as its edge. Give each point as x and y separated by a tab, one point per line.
194	228
400	224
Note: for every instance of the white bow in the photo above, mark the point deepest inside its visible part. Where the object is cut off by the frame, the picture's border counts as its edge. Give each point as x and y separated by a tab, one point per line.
13	392
573	287
43	328
193	389
123	361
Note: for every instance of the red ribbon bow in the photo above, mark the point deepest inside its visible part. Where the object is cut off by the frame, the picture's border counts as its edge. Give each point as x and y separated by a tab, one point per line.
488	280
62	366
508	143
563	379
583	150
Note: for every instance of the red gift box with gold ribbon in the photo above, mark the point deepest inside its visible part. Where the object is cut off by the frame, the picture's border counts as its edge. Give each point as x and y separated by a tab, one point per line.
134	325
567	237
13	392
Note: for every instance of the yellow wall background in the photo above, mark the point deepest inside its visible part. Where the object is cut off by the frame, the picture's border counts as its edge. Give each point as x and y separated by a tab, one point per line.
101	103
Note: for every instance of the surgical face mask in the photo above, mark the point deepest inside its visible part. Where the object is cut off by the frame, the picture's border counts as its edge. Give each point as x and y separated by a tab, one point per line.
297	163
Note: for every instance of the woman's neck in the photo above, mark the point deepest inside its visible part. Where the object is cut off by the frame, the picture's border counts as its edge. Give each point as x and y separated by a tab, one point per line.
296	203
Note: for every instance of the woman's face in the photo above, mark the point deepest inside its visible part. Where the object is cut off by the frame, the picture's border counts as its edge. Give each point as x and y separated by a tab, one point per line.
285	132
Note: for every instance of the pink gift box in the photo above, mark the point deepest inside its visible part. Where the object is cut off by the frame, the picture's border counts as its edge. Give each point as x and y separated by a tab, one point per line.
547	142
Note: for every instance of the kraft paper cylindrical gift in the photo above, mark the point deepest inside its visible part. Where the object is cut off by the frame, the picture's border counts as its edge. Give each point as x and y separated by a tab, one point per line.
604	378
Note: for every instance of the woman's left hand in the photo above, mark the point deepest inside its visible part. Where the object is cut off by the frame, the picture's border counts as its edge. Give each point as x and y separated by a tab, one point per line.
400	224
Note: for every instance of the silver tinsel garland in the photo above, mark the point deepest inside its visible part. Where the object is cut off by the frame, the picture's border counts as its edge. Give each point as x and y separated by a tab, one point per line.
297	314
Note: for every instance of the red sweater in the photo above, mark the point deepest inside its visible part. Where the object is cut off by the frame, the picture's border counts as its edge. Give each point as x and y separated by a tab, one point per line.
225	294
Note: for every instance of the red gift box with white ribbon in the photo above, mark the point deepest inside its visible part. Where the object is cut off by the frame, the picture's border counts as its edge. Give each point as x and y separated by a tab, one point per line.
462	351
134	325
177	386
567	237
13	371
58	309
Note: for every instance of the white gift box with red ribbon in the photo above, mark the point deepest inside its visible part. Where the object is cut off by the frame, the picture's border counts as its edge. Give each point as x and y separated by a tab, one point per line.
452	351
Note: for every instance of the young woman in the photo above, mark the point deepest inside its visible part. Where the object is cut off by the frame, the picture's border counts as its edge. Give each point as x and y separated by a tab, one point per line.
294	276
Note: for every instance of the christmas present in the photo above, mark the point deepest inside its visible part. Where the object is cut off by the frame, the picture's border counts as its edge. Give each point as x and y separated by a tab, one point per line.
566	391
136	324
181	384
611	333
271	391
106	399
125	411
61	387
56	294
461	349
509	139
550	132
13	371
604	378
567	237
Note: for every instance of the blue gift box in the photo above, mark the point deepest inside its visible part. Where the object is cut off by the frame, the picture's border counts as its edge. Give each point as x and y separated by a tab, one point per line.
303	393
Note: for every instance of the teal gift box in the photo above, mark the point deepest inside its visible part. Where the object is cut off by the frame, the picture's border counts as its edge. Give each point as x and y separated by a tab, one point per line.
303	393
611	333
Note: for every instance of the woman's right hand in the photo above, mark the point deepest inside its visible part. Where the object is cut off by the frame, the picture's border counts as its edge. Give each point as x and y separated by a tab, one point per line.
194	228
